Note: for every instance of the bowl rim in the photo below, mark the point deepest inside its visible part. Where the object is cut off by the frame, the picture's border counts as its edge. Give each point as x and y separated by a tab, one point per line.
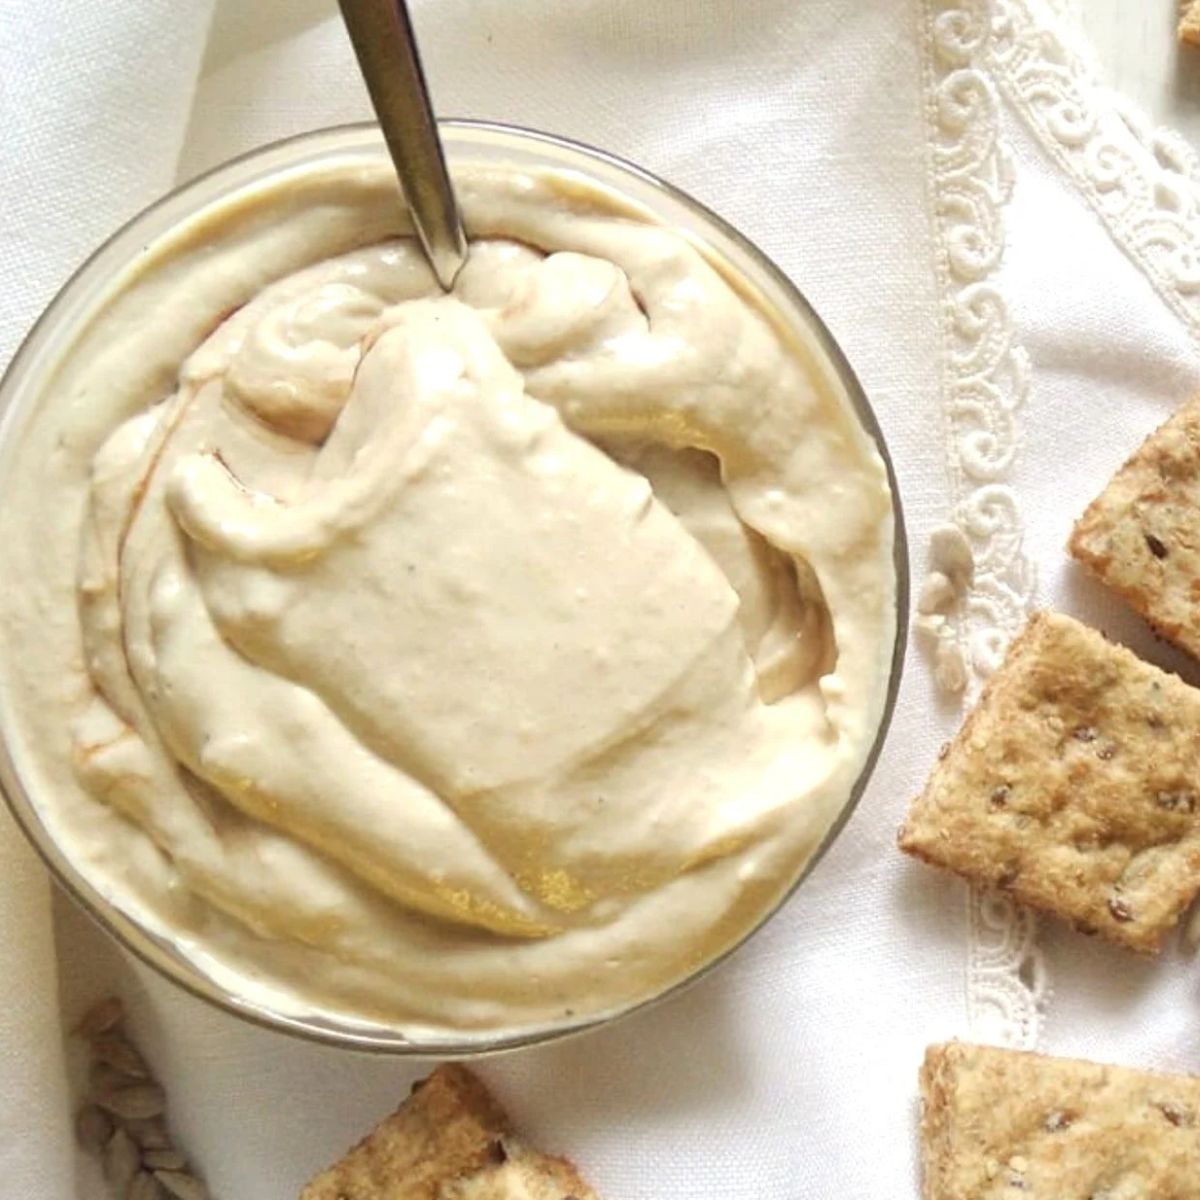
151	949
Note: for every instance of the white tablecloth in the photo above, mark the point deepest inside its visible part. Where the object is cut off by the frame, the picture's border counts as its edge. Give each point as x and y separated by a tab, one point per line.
969	210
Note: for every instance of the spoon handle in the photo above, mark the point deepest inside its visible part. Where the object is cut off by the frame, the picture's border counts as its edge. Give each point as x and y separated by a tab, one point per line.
381	33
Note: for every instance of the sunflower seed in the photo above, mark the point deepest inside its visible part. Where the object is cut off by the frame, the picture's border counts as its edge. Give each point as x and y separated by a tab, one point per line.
950	667
144	1187
134	1102
950	553
929	626
100	1018
164	1160
105	1078
93	1128
120	1162
114	1050
938	594
125	1124
150	1134
181	1185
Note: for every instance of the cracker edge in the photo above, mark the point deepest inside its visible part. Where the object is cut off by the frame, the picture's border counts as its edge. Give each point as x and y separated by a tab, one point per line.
1189	23
1147	942
1092	520
935	1119
462	1089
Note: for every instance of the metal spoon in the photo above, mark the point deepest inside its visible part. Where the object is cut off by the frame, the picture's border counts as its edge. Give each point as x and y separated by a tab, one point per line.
381	33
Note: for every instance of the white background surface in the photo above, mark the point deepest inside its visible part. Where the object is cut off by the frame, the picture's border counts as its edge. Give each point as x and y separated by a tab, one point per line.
790	1073
1136	43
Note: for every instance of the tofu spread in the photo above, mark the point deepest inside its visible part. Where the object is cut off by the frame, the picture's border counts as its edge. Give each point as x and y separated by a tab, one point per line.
466	662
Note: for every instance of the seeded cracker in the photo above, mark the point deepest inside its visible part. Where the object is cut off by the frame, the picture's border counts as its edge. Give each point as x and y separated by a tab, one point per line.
1189	22
1073	785
998	1123
449	1140
1139	535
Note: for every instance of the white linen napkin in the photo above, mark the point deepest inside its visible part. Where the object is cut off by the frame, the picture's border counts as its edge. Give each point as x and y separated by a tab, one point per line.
34	1103
848	138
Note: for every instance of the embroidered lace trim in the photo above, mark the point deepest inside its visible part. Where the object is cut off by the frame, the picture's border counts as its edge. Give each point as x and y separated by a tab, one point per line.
985	381
1143	182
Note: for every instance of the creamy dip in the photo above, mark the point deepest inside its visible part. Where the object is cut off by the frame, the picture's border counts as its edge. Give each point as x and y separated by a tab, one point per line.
465	662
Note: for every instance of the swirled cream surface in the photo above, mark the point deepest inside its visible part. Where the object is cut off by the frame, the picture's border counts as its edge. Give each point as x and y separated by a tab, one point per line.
463	662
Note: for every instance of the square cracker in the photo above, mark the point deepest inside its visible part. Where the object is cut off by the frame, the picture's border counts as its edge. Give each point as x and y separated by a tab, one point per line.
1139	535
1074	785
998	1123
449	1140
1189	22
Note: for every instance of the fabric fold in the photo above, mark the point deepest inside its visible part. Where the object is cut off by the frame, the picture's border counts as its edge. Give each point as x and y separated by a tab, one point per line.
96	108
35	1110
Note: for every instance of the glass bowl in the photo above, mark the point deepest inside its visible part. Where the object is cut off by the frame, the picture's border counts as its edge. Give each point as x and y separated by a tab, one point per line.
88	291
